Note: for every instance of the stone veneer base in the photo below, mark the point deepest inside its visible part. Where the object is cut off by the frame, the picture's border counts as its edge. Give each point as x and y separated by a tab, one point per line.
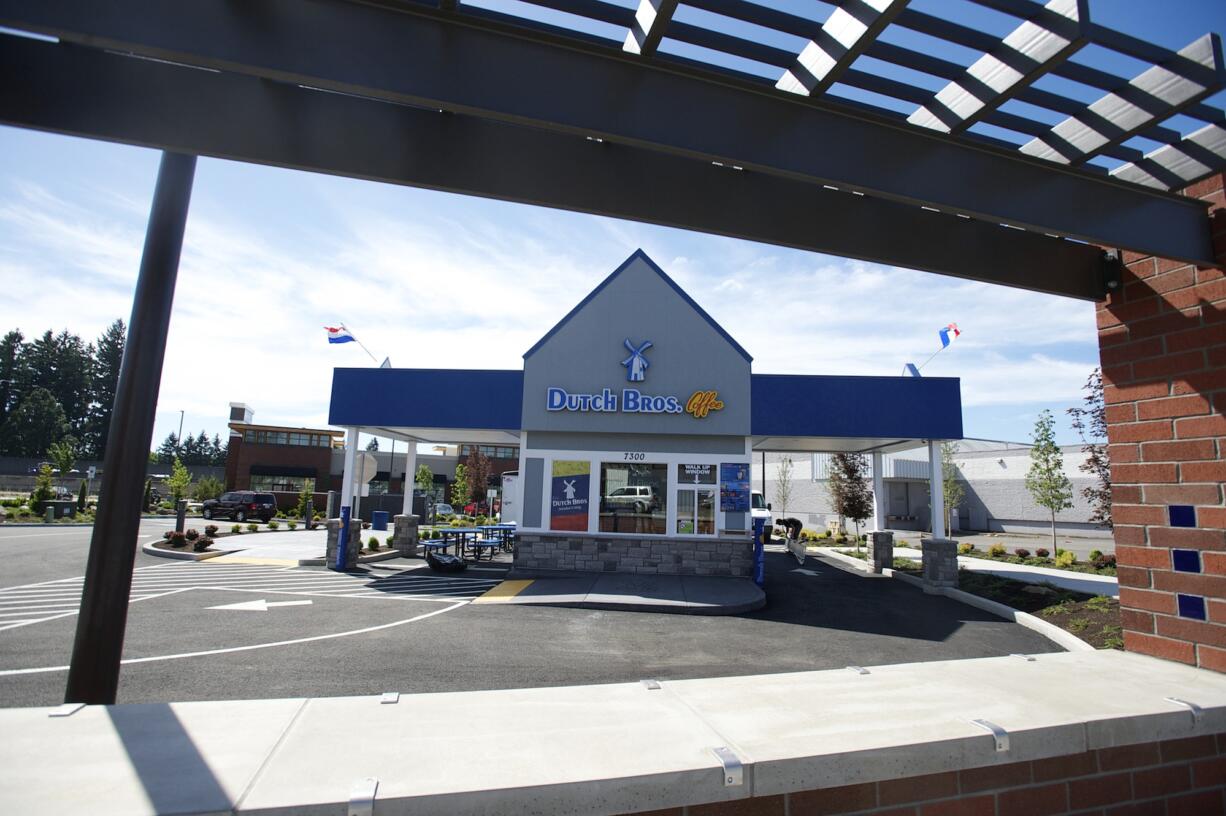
648	555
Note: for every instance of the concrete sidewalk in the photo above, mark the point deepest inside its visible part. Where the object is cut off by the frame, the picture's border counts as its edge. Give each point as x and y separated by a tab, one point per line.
676	594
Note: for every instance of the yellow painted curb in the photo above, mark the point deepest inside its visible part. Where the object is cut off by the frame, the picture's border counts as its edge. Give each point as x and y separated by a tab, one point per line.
503	593
267	562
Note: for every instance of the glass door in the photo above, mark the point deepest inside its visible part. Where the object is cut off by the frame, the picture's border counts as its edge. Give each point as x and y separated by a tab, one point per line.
696	488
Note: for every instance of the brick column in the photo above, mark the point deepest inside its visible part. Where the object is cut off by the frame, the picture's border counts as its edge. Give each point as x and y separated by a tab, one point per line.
1162	341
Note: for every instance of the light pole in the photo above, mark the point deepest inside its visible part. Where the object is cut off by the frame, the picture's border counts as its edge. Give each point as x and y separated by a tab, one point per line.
180	436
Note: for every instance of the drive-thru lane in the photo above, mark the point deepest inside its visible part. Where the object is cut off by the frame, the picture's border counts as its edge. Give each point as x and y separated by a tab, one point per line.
388	628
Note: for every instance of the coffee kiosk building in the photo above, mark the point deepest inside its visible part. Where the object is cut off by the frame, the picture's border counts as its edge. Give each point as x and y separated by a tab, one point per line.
636	418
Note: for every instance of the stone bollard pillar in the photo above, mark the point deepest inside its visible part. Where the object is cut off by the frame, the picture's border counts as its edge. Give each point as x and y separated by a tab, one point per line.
404	537
180	515
940	564
881	551
351	551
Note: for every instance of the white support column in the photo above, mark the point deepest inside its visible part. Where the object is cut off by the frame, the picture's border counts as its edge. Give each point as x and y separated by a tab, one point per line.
879	497
351	465
936	488
410	477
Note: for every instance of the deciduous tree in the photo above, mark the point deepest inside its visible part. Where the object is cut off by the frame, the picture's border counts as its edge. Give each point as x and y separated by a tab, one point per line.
1090	422
36	423
1045	480
851	491
783	485
951	485
477	470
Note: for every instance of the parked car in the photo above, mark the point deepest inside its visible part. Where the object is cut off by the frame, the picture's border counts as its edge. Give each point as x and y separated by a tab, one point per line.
442	510
639	498
241	505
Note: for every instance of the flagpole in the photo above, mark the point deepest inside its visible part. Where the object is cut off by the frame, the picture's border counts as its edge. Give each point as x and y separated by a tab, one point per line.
359	342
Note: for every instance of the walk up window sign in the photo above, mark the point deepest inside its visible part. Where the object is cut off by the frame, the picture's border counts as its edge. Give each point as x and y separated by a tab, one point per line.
569	495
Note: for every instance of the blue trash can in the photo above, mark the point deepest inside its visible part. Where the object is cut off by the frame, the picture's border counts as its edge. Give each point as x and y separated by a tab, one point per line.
378	520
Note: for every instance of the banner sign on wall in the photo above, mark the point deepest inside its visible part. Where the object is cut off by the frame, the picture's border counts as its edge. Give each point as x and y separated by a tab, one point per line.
734	487
568	503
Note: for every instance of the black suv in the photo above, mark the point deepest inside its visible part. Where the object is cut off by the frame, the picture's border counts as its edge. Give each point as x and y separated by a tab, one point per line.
241	505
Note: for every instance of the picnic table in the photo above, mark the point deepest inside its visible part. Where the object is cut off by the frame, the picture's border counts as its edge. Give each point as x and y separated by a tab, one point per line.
468	542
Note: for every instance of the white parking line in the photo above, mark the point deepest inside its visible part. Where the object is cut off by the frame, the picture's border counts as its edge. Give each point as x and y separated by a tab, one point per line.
130	661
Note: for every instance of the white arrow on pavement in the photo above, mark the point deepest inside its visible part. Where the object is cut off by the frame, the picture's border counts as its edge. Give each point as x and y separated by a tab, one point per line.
806	571
260	605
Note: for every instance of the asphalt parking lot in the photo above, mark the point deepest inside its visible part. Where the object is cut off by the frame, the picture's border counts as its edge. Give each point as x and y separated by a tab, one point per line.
311	632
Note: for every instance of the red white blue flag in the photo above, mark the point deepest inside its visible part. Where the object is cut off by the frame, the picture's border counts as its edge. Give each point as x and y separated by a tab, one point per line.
948	334
338	334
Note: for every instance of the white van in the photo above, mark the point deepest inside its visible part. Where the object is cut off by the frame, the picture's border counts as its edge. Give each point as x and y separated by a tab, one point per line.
759	509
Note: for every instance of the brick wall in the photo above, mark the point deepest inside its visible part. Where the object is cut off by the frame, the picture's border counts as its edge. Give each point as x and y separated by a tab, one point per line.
1184	777
1162	341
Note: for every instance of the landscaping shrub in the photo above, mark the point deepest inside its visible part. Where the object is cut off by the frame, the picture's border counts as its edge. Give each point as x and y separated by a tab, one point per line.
166	535
965	547
177	539
1041	553
997	550
293	525
202	544
1103	561
1022	552
273	525
192	534
389	540
1065	559
252	527
210	530
373	543
1095	555
236	529
319	516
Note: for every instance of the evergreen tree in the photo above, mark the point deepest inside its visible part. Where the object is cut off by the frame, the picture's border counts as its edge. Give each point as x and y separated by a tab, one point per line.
459	488
36	423
170	449
217	451
62	364
10	361
147	502
1090	423
1045	480
306	502
850	490
42	490
82	497
108	358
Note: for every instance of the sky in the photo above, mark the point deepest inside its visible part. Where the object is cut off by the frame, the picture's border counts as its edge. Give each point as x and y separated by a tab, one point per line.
434	280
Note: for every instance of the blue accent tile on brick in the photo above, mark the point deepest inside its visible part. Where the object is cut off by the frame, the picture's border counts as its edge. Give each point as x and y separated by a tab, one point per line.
1182	515
1185	560
1191	606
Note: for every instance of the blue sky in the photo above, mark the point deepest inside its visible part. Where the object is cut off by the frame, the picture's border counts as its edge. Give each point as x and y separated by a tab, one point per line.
437	280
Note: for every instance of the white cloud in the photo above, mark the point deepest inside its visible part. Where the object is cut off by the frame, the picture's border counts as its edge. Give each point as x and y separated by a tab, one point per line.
440	285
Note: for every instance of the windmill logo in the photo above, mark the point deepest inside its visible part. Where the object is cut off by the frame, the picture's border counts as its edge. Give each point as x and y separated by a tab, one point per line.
569	489
636	364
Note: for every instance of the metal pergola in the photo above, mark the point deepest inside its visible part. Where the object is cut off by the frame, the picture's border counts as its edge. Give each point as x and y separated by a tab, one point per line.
985	139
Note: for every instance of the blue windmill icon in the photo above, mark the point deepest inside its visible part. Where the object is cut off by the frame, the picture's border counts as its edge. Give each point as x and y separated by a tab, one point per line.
636	364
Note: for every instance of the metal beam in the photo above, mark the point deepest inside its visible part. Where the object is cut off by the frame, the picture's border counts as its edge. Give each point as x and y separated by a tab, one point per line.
1196	156
650	21
93	676
78	91
419	57
1058	30
1157	93
851	28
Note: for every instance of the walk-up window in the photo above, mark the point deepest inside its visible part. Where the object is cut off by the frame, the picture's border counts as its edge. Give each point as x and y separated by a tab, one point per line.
696	485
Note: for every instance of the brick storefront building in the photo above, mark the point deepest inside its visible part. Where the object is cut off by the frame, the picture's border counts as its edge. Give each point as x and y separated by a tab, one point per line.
1162	339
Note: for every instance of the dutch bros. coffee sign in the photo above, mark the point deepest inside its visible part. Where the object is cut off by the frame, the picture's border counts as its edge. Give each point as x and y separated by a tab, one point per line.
631	400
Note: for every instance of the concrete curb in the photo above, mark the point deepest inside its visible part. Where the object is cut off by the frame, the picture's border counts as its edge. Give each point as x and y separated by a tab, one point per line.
1055	634
182	555
362	559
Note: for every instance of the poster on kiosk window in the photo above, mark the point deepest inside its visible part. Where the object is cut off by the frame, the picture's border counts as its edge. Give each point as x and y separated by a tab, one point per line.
568	497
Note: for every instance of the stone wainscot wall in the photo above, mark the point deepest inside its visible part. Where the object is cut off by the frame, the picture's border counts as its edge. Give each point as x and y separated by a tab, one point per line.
585	552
